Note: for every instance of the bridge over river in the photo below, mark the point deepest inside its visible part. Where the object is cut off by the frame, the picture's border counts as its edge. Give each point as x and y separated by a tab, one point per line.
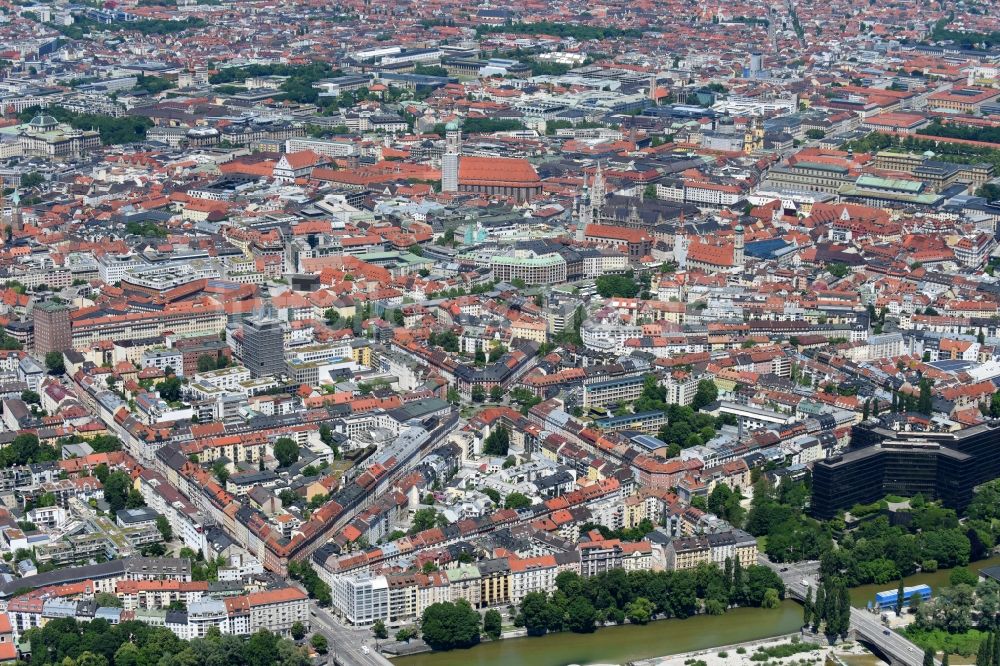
865	627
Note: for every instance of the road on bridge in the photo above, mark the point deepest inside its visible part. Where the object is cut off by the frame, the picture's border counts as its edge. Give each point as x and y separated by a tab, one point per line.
799	577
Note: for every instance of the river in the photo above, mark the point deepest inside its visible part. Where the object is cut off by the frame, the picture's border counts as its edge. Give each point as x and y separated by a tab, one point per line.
616	645
860	596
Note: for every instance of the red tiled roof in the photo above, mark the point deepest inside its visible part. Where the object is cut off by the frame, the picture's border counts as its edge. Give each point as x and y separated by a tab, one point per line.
474	170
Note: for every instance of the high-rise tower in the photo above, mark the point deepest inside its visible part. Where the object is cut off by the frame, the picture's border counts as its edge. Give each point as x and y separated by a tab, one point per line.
53	331
452	153
738	243
583	211
597	195
16	221
263	344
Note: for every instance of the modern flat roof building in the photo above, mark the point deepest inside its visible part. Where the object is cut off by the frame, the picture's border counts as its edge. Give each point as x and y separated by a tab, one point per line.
941	465
263	346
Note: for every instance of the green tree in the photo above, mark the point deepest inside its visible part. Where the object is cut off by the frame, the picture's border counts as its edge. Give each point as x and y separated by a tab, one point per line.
319	643
838	270
497	442
423	519
170	388
924	401
640	611
298	631
326	436
524	397
105	444
26	449
534	613
163	525
725	503
262	648
134	500
949	547
55	364
478	393
379	630
962	576
706	394
623	286
405	635
581	616
517	501
88	658
950	611
31	180
819	609
446	625
127	655
844	608
221	471
116	490
492	624
286	451
107	599
496	353
984	656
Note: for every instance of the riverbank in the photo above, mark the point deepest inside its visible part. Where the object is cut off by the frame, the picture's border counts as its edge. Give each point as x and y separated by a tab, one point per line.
660	640
417	646
621	644
741	654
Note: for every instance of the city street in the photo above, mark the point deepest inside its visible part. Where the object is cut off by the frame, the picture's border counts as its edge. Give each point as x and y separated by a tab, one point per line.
345	642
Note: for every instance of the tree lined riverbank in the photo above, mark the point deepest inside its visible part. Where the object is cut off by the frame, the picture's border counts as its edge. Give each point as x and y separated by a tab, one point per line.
661	638
620	644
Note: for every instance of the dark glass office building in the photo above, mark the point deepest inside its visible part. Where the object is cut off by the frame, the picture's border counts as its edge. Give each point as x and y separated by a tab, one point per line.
263	345
880	462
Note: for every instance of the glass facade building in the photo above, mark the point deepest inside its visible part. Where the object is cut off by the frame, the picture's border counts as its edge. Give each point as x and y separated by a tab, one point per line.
941	465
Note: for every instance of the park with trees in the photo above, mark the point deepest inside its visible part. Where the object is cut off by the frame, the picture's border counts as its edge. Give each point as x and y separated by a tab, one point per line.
66	642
